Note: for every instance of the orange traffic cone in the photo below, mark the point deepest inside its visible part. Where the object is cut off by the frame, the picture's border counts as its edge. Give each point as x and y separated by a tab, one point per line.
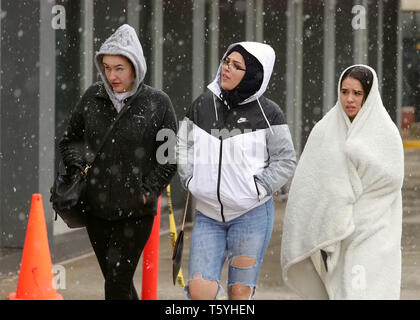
150	271
36	275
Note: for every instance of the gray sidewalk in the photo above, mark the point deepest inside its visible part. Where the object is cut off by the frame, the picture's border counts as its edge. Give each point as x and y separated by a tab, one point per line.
84	280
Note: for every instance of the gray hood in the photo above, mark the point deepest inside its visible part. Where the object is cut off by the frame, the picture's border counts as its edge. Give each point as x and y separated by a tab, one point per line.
123	41
265	55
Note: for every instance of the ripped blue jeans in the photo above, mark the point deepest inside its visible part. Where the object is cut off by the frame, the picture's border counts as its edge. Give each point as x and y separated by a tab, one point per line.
245	236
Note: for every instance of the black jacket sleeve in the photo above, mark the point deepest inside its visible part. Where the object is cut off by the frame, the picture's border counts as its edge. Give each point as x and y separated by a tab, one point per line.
158	178
72	143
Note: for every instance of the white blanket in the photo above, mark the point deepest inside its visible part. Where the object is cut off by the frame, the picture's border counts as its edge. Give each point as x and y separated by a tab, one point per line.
345	198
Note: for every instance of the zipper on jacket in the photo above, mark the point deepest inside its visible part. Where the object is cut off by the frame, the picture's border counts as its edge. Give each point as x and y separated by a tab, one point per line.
218	179
256	187
188	182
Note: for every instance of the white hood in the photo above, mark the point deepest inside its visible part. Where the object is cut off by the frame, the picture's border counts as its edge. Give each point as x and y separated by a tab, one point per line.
123	41
265	55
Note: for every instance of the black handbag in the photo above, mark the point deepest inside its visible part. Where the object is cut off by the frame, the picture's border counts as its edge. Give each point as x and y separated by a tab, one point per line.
179	246
68	198
68	191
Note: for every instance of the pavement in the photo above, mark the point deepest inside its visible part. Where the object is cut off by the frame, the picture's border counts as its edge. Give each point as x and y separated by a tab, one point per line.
81	278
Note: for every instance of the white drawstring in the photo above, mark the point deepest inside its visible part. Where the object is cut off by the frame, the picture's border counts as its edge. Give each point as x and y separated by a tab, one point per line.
215	109
265	116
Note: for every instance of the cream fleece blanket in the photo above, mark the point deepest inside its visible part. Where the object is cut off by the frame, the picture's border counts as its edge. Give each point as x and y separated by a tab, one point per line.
345	198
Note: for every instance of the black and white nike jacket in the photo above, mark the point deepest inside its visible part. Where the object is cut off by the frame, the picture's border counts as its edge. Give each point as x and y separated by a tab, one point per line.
233	159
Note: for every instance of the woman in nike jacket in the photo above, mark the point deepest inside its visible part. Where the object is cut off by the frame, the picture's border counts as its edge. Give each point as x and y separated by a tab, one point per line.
234	151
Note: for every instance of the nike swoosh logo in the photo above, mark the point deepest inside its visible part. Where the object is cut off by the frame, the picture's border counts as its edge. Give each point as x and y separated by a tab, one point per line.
240	120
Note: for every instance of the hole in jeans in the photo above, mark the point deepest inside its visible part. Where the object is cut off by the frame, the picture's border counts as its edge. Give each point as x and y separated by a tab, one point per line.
200	288
243	262
241	291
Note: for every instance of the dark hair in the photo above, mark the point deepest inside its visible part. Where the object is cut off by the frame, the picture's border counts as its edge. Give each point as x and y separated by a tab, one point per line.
364	75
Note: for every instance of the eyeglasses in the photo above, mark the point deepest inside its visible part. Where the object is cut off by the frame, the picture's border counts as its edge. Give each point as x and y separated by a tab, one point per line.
235	66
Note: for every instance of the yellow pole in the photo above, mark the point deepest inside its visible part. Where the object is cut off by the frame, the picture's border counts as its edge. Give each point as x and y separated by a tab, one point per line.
172	233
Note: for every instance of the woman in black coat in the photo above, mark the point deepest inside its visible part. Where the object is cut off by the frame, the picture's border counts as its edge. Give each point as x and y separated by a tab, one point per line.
126	177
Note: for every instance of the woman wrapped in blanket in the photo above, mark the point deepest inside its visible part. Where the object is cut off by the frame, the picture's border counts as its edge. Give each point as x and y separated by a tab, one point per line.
345	200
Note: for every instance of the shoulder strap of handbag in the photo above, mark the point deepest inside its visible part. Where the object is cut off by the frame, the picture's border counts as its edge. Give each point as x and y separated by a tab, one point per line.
185	209
126	106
